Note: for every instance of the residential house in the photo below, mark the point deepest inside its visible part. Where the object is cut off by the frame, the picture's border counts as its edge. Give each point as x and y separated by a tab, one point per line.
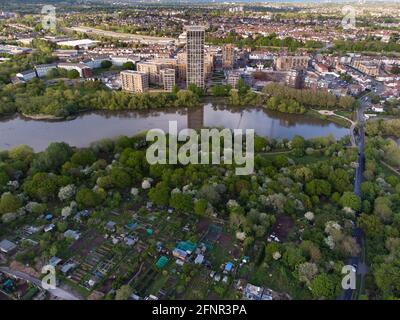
72	234
7	246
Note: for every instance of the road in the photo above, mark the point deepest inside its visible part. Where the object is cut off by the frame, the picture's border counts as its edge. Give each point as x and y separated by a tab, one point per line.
358	234
58	292
361	145
120	35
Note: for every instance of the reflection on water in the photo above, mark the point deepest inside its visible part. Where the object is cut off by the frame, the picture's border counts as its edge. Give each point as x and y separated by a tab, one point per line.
93	126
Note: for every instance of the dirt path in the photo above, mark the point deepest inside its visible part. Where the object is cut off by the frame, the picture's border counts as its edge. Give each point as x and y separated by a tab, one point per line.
136	274
333	114
58	292
390	167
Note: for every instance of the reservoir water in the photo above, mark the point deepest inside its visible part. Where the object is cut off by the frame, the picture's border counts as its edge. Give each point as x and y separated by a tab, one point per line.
93	126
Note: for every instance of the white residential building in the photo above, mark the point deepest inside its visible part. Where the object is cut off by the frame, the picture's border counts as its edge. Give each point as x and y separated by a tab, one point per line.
120	60
84	71
26	75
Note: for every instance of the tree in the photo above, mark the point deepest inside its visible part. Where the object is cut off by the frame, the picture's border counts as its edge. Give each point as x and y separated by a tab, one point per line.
210	194
242	87
234	98
67	192
260	144
87	198
346	102
73	74
9	203
123	293
349	246
236	218
4	177
393	181
368	190
271	248
220	90
318	187
280	161
350	200
22	152
160	194
340	180
200	207
277	201
370	224
56	154
387	276
62	226
186	98
83	157
129	65
181	202
303	174
120	178
53	73
195	89
307	272
375	98
293	256
42	186
312	249
134	159
53	250
106	64
392	153
323	286
175	89
382	209
298	143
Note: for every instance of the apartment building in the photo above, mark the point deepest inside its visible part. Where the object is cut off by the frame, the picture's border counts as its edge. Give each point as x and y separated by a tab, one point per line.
228	56
370	68
285	63
195	72
208	64
321	68
181	66
295	79
134	81
153	68
168	79
233	78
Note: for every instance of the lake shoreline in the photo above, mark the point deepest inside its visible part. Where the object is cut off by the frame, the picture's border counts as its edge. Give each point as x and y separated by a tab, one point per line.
41	117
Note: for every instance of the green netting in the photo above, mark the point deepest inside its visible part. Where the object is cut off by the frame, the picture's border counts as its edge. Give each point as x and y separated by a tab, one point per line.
162	262
186	246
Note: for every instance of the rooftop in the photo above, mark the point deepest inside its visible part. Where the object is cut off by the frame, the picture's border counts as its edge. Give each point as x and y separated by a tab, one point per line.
7	246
